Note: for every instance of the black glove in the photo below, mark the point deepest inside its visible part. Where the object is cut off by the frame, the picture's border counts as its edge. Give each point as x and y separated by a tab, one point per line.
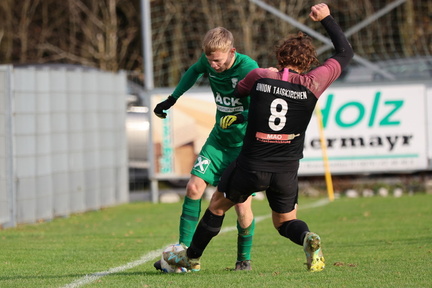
227	121
164	105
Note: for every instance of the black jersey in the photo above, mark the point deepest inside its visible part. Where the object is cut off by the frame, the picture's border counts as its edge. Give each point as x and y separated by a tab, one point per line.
281	107
280	110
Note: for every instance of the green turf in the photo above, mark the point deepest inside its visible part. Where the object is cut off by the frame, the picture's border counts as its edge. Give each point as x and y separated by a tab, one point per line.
367	242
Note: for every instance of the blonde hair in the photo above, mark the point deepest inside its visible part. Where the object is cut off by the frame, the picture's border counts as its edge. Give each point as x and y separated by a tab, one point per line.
217	39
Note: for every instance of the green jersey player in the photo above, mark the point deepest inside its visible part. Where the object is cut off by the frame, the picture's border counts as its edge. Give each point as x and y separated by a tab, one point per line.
224	68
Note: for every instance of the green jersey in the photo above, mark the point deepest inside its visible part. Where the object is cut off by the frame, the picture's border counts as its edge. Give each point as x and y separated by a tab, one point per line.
222	85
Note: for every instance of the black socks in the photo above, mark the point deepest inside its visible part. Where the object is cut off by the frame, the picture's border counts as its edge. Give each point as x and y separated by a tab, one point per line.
207	228
295	230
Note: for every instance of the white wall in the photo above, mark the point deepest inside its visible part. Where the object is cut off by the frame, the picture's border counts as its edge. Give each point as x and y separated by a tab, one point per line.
68	149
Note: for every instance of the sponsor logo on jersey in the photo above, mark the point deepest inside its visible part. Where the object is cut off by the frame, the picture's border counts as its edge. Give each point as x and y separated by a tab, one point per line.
229	109
234	82
201	164
228	104
275	138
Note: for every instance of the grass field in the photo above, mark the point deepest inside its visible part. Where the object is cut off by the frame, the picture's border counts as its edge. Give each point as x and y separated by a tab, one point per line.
367	242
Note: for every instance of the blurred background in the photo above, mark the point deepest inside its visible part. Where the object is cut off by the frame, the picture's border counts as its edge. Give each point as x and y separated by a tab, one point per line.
392	40
107	34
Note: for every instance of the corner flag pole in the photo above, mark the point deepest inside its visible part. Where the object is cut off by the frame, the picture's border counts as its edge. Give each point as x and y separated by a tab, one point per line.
327	173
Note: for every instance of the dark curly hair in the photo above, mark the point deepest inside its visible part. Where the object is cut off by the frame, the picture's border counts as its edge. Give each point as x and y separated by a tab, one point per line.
298	52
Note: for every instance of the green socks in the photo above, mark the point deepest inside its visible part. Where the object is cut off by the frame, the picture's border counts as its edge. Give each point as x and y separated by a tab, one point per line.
244	241
189	219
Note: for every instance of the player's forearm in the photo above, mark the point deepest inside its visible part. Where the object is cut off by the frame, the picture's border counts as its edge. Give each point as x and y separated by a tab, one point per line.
186	82
344	52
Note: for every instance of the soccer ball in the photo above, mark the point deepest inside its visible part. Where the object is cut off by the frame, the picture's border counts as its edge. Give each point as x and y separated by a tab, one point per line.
167	268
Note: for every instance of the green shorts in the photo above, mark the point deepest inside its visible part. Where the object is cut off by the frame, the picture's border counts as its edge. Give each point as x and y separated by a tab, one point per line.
212	160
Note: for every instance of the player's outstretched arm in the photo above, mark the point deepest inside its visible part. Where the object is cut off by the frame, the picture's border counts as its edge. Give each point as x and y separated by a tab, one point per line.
344	52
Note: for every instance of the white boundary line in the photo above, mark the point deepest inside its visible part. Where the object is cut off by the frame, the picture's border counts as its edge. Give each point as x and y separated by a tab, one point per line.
156	253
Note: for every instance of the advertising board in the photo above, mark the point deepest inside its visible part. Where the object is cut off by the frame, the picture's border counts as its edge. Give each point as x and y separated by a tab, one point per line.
367	129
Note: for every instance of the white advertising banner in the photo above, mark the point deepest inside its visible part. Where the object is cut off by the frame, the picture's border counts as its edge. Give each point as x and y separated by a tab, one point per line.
369	129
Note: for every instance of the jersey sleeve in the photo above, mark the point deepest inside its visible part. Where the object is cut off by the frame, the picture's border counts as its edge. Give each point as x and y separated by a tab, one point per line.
320	78
244	87
344	52
189	78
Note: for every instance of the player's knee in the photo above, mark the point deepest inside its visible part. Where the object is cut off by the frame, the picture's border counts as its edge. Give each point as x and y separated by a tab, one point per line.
195	190
193	193
243	209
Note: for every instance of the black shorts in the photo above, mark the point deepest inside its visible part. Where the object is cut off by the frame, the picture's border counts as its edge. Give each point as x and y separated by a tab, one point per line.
281	188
